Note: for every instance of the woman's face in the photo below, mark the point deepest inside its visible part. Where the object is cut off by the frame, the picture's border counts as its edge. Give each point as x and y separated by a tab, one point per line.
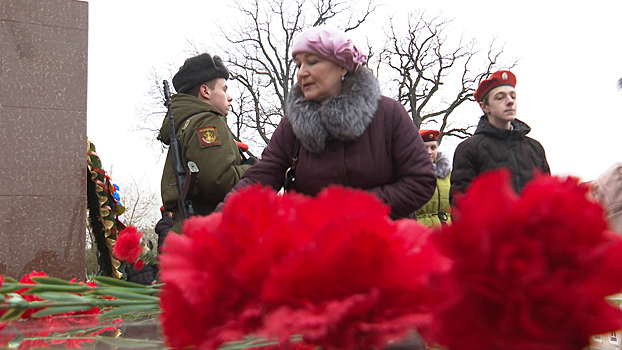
319	78
432	148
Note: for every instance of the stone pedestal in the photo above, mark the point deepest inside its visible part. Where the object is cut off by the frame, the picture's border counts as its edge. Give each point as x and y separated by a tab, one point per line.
43	81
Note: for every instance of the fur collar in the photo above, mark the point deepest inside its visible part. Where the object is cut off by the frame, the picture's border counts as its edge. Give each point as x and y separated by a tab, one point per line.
343	117
441	166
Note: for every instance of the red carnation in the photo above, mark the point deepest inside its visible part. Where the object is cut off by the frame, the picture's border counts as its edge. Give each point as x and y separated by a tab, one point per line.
333	269
292	346
139	265
361	283
2	324
46	326
26	279
127	247
530	272
214	271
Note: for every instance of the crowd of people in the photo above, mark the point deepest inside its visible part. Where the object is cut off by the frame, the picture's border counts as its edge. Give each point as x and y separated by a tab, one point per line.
340	129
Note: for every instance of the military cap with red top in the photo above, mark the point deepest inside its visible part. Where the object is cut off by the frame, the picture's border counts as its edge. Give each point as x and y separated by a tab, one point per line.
498	78
429	135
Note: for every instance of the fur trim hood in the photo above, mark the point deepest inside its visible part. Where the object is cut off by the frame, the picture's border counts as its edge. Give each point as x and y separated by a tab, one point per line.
441	166
343	117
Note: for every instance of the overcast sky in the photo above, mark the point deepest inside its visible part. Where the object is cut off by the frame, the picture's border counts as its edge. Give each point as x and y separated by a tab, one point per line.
570	60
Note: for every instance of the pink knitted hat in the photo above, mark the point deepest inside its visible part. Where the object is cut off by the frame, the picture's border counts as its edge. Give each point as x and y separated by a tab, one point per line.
331	44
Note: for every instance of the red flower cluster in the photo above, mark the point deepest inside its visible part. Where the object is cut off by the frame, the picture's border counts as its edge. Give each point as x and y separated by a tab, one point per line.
139	265
2	324
46	326
333	269
529	272
127	247
30	297
296	346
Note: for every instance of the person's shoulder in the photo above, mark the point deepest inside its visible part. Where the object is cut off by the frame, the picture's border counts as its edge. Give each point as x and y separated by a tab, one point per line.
472	141
208	119
530	139
387	99
208	115
471	147
285	123
283	136
533	142
391	111
205	129
284	129
386	102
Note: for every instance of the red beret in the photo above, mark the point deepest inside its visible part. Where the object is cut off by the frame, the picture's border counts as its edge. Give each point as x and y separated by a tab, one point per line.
498	78
429	135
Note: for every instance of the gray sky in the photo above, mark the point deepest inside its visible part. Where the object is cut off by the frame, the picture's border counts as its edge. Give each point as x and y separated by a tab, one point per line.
570	60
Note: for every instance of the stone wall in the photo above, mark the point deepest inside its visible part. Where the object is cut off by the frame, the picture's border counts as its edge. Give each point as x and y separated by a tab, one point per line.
43	81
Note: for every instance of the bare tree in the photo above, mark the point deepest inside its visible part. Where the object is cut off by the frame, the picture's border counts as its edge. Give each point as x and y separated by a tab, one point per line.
434	74
259	51
141	206
431	73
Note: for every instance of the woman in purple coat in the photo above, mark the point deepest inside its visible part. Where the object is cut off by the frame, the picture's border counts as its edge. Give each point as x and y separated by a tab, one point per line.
348	133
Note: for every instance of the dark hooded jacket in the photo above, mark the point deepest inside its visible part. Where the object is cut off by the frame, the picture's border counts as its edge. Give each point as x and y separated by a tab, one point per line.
358	139
205	139
493	148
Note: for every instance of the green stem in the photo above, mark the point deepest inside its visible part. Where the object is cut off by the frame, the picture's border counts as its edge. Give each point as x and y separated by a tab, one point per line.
94	302
82	289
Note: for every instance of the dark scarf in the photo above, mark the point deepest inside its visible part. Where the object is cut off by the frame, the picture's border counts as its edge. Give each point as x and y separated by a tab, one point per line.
343	117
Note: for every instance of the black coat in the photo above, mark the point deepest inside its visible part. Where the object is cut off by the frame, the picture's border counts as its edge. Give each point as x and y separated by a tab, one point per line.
493	148
162	228
146	276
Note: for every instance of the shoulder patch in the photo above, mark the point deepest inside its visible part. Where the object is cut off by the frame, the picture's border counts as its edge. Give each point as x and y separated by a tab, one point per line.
208	136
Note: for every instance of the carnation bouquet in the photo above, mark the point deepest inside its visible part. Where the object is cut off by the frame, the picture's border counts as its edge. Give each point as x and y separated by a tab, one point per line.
41	311
333	269
528	271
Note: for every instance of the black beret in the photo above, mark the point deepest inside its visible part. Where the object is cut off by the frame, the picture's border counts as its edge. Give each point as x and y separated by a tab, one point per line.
198	70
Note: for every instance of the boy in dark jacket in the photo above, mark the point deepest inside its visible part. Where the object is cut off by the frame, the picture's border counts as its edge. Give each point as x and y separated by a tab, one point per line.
500	140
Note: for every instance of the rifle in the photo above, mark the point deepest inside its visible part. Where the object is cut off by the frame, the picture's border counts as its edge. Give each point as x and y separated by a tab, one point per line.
184	186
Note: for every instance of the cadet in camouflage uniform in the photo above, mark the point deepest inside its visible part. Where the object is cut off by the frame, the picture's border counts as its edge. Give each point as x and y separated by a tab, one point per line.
200	107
